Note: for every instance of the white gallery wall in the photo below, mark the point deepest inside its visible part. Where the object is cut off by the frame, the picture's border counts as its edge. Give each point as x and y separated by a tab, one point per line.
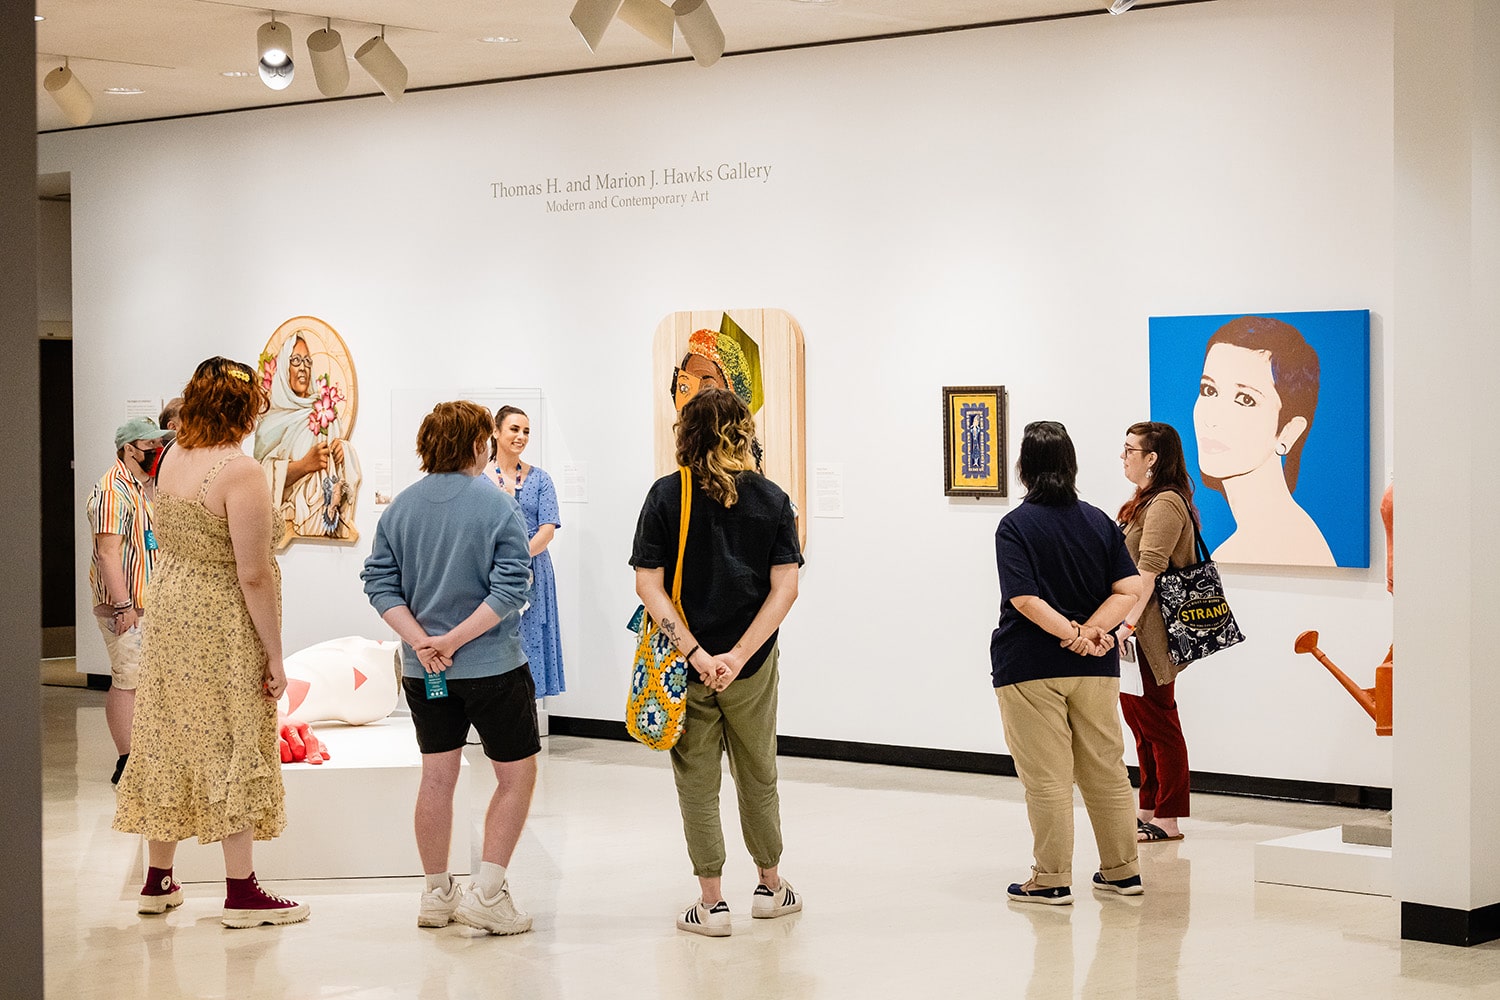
1004	206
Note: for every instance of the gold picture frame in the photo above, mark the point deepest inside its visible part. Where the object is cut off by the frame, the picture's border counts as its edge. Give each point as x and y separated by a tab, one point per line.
974	441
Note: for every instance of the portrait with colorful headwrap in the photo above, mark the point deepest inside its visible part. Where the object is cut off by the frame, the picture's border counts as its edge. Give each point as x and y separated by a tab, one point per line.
758	355
727	358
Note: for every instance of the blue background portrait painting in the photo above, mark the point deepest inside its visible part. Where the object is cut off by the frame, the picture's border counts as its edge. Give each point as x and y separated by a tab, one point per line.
1274	414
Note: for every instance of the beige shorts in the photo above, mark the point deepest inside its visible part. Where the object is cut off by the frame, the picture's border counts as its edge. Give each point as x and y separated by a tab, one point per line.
124	653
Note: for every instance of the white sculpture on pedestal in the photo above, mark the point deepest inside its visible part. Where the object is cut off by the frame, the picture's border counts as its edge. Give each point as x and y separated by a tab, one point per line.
351	680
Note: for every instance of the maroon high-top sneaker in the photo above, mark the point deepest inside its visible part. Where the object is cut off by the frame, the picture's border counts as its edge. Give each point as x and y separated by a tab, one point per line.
246	904
161	892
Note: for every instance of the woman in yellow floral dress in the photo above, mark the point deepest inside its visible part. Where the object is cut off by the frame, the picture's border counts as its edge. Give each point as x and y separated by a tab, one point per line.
207	764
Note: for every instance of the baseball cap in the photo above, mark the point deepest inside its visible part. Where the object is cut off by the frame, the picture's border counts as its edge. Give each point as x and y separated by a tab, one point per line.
138	429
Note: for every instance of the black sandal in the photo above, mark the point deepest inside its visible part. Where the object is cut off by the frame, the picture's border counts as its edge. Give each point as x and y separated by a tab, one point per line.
1154	834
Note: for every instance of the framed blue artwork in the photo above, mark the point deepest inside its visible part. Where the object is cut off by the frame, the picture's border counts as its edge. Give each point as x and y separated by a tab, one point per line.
1274	414
974	441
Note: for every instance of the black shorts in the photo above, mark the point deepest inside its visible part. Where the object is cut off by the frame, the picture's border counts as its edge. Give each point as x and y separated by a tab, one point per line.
501	708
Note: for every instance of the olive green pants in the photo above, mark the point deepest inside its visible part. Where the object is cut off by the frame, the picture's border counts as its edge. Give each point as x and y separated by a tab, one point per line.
741	719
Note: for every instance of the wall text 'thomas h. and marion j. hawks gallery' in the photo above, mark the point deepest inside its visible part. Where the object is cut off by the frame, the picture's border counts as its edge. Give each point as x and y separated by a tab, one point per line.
671	185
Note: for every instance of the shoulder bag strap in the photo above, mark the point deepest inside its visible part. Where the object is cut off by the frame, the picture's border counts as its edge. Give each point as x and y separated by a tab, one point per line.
682	530
1199	548
1202	549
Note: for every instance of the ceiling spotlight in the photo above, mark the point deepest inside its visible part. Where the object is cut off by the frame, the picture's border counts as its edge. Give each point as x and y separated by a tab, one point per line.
1121	6
38	17
274	41
651	18
325	48
700	29
76	104
591	17
381	63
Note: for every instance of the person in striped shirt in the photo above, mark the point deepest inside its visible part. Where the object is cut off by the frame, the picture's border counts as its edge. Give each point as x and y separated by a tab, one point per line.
120	515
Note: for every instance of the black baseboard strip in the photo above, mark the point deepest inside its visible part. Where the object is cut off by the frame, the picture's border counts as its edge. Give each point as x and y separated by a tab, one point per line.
1444	925
594	729
1208	782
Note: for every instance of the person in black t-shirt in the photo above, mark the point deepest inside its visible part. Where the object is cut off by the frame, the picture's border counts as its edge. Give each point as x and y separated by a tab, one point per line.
739	579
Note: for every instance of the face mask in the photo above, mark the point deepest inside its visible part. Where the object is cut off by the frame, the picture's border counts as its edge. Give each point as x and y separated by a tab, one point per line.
148	459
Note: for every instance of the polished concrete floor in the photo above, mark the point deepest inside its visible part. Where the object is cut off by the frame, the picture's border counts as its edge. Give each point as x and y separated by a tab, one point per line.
903	871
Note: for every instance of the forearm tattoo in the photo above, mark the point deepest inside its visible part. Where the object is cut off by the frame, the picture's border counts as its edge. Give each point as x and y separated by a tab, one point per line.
670	628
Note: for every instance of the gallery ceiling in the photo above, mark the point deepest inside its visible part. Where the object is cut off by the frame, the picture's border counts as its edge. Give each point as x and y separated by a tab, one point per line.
182	56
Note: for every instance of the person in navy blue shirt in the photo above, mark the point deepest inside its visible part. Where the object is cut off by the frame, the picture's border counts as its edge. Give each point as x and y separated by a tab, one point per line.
1066	582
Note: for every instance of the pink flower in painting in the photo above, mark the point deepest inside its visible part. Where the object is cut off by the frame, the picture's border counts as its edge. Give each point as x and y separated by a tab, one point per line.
325	406
267	370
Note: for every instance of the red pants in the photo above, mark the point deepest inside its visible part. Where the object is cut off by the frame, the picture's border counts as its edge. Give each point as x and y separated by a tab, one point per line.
1159	744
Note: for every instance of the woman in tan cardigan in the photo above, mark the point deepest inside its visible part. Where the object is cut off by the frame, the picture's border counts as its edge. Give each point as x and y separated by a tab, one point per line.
1159	522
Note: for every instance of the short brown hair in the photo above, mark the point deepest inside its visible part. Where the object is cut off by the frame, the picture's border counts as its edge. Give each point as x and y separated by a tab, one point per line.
220	404
446	439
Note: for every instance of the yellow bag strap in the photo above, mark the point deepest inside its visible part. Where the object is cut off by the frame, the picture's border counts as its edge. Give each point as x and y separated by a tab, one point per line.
682	530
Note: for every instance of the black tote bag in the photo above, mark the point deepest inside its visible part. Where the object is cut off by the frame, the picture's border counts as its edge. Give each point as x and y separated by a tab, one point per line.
1199	622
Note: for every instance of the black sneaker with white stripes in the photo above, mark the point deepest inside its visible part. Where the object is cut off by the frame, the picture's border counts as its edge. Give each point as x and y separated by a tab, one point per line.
778	902
712	921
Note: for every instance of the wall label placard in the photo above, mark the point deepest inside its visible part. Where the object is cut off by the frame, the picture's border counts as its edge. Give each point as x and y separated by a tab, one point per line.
668	186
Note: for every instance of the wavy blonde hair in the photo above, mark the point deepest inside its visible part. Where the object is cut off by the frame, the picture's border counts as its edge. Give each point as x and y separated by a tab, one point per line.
715	432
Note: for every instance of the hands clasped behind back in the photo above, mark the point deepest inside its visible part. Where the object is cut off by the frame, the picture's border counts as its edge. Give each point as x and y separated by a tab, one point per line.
1090	641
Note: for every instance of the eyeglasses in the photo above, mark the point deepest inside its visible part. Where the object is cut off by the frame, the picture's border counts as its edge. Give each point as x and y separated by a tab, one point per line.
299	361
686	385
1138	451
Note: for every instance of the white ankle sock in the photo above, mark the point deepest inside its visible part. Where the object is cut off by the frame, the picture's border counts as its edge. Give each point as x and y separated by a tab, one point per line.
491	878
439	882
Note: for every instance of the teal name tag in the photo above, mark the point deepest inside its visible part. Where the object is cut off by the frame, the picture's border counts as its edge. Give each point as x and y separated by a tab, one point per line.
437	686
150	540
637	619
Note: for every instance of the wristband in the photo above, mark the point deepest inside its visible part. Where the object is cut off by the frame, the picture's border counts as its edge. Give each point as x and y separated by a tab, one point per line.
123	605
1128	626
689	657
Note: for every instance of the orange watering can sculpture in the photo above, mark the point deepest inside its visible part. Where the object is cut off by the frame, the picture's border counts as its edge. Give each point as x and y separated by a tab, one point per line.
1376	700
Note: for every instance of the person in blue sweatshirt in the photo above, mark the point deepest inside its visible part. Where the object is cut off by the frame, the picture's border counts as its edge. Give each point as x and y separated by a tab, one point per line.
450	572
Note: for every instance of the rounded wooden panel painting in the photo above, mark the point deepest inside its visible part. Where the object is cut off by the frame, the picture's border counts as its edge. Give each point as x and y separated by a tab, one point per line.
757	354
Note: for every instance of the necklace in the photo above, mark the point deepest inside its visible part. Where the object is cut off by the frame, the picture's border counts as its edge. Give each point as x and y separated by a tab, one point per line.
500	473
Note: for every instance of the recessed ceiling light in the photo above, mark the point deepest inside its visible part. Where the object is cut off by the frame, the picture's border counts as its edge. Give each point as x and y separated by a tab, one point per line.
38	17
234	73
500	39
123	90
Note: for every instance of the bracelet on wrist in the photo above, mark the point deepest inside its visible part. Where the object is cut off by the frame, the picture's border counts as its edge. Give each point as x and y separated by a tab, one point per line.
689	657
1128	626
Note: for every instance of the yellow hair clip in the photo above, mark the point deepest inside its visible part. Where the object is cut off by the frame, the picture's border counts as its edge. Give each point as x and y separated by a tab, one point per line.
236	373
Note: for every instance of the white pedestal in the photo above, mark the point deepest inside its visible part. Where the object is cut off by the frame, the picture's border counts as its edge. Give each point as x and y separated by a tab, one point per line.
1321	860
348	818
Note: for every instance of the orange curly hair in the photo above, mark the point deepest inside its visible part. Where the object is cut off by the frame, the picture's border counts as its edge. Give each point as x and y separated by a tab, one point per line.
220	404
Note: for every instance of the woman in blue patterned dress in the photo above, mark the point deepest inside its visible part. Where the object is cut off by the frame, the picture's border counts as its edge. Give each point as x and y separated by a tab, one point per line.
532	487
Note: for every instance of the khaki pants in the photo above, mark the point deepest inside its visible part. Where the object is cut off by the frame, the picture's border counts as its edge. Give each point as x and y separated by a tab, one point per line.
1061	730
742	720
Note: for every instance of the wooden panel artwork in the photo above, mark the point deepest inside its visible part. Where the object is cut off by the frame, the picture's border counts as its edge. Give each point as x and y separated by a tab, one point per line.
780	420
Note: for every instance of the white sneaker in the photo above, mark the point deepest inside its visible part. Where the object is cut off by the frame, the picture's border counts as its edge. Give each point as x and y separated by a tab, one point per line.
766	903
712	921
496	914
438	905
